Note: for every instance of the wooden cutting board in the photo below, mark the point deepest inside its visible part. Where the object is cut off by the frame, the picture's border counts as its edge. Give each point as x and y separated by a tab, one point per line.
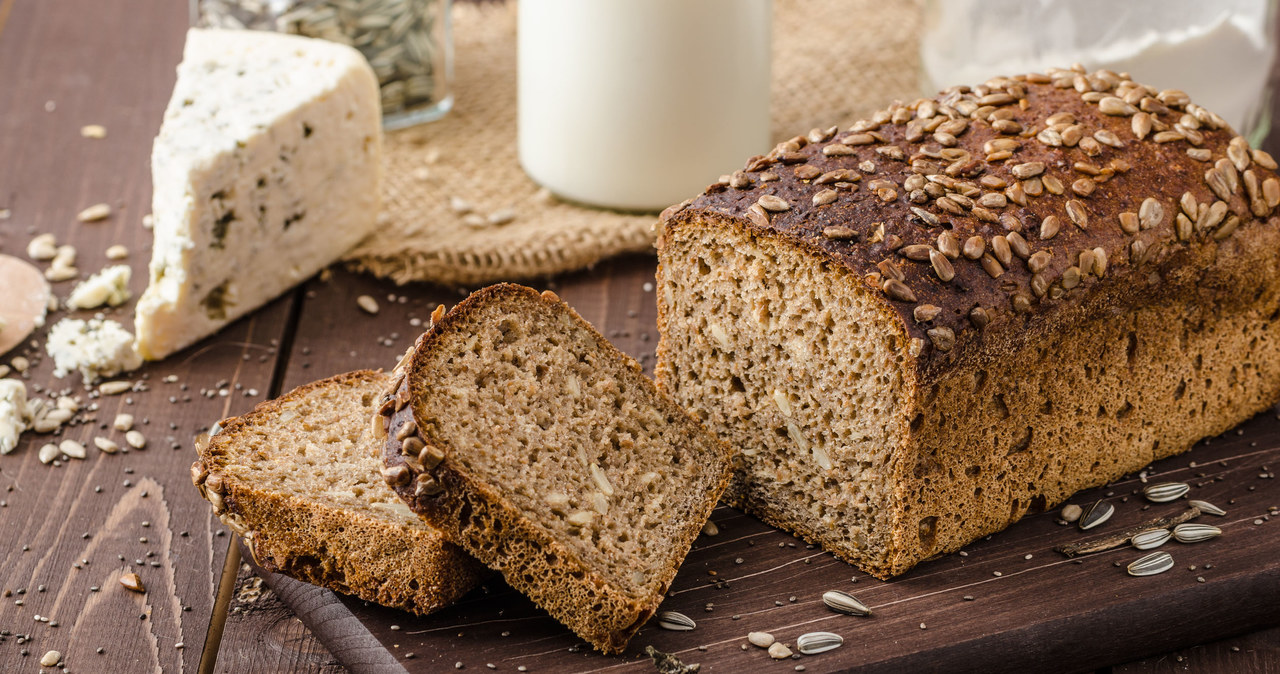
1007	603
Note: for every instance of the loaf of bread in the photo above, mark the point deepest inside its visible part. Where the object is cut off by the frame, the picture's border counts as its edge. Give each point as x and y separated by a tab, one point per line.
962	310
529	440
299	480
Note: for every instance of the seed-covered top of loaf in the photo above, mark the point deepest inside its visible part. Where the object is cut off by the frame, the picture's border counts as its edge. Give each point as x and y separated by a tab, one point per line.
992	205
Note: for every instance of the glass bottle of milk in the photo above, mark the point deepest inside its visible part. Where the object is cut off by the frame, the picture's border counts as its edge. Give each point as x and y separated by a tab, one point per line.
638	104
1218	51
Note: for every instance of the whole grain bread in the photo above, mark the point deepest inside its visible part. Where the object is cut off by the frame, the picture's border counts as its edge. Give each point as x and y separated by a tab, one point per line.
964	309
529	440
298	479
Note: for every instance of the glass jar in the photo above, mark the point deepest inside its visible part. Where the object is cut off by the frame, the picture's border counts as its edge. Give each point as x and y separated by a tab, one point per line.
409	43
1219	52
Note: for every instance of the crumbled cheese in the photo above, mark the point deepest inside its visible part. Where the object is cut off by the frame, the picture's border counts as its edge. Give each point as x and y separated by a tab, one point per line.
96	348
109	286
15	414
266	169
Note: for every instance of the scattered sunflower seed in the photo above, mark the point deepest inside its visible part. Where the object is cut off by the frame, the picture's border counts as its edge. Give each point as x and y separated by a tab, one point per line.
135	439
1195	533
93	131
818	642
1150	565
1096	514
112	388
131	581
779	651
843	602
50	659
1165	491
368	304
94	213
107	445
761	639
710	529
677	622
1151	538
1207	507
1071	512
123	422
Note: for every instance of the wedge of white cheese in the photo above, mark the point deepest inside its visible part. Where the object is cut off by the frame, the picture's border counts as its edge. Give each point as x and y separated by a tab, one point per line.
266	169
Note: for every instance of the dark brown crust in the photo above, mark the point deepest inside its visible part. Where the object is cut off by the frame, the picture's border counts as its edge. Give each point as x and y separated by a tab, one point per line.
1163	171
377	560
466	508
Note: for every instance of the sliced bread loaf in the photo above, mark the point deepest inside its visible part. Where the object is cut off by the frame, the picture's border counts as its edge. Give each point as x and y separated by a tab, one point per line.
529	440
297	478
962	310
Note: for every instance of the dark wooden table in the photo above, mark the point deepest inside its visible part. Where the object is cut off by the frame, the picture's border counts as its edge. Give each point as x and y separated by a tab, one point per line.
67	532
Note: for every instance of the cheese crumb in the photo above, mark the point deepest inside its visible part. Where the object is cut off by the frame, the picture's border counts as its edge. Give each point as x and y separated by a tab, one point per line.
15	413
96	348
109	286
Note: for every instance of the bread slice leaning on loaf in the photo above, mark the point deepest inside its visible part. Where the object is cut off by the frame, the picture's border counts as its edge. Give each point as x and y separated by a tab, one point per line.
298	479
923	327
529	440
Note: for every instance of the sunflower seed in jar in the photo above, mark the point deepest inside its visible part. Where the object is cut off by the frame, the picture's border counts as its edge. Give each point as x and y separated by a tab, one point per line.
1150	565
843	602
1207	507
1151	538
1194	533
814	643
1165	491
677	622
1096	514
402	39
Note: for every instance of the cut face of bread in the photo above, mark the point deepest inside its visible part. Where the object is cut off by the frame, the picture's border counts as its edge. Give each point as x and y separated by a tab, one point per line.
543	451
789	360
299	480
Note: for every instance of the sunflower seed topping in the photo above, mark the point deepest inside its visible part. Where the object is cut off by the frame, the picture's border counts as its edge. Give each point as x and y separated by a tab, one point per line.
1151	213
1096	514
814	643
1151	538
1111	105
676	622
1165	491
1207	507
1077	214
843	602
1028	170
1150	565
773	203
1195	533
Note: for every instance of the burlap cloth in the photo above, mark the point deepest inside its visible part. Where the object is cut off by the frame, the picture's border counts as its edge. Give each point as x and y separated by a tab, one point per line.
833	62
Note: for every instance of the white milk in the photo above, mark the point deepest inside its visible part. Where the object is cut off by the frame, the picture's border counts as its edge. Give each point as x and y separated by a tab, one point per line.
1218	52
640	104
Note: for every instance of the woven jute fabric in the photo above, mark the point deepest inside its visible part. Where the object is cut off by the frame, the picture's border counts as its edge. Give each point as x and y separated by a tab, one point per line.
459	210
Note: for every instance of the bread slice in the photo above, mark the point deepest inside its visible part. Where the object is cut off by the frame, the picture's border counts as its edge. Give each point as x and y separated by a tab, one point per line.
533	443
297	478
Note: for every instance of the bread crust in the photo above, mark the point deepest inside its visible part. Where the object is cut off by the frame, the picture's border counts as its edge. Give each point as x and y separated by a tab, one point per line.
379	560
478	517
1200	279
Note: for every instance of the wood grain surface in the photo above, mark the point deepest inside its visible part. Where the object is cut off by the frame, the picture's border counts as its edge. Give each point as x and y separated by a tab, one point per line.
69	530
76	525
